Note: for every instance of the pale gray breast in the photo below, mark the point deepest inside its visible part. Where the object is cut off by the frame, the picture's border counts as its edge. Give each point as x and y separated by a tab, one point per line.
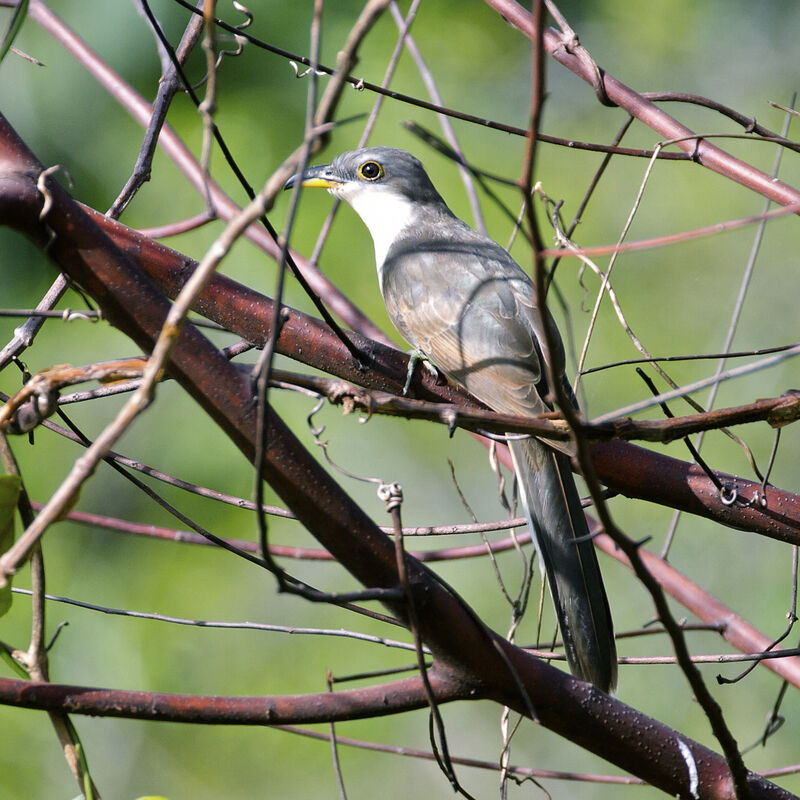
464	302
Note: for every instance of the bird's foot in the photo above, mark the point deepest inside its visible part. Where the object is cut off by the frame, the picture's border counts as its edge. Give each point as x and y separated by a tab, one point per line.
415	356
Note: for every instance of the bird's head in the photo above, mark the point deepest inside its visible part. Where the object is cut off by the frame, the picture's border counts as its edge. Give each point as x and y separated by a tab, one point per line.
387	188
371	172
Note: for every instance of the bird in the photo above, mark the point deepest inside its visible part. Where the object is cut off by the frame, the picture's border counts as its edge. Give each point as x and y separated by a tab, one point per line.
469	309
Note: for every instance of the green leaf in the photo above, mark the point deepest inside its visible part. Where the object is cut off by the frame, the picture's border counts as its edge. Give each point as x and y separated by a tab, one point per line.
5	655
17	18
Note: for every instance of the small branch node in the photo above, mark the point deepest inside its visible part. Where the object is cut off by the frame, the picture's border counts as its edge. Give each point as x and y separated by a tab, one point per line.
306	72
391	494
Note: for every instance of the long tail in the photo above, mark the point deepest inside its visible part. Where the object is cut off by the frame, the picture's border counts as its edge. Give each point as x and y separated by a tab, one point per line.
554	512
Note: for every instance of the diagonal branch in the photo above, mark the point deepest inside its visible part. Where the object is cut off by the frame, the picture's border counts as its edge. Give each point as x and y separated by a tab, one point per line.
630	470
574	57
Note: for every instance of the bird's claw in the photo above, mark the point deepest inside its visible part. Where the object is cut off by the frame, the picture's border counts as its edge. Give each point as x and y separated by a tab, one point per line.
415	356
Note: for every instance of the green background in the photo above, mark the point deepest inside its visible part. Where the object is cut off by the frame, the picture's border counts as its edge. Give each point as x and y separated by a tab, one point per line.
677	299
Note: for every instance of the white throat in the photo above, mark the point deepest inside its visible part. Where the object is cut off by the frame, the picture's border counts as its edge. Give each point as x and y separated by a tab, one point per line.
385	213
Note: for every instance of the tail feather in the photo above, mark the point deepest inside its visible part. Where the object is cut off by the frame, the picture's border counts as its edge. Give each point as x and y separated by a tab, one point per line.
554	513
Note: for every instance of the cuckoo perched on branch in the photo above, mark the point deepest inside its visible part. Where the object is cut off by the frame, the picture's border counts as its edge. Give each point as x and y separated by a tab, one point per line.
468	308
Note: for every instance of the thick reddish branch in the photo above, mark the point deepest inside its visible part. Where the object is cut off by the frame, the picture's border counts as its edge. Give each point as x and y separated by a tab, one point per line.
714	158
636	472
225	208
372	701
626	468
573	708
736	630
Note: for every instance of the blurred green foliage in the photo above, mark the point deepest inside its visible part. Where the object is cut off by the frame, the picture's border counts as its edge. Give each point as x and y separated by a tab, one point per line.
677	299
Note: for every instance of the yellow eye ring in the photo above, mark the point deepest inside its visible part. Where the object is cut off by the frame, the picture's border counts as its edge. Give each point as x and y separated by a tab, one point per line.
370	171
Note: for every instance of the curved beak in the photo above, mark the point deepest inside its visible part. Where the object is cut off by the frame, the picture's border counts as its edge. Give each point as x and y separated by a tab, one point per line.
321	177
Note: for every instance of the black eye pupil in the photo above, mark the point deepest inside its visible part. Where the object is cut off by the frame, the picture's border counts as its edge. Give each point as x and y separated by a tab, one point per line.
370	170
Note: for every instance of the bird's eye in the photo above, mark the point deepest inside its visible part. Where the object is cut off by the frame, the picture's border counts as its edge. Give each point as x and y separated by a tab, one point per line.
370	171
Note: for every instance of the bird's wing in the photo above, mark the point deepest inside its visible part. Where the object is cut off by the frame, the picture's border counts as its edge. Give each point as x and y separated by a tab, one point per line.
465	303
467	306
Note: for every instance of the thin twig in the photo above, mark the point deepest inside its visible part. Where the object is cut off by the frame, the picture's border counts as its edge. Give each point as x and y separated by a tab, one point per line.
35	659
